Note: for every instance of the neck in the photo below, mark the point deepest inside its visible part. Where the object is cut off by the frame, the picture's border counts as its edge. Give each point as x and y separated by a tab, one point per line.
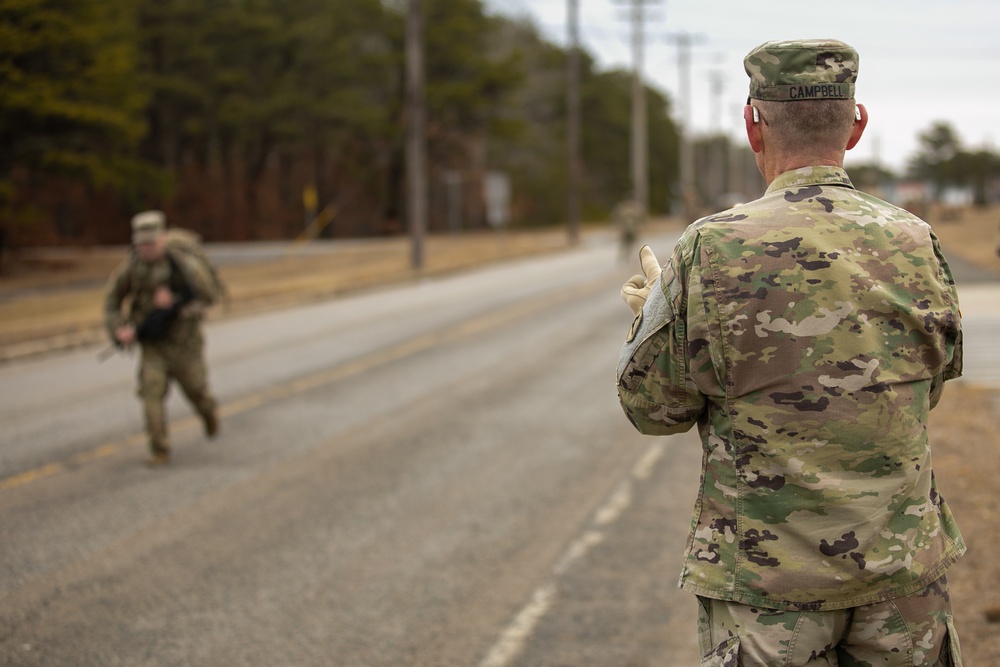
774	166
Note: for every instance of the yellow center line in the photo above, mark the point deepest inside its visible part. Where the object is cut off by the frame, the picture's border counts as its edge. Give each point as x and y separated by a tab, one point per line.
464	330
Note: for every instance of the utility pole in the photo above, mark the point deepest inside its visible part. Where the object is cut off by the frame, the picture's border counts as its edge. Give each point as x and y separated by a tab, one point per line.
716	80
416	160
640	145
573	166
684	41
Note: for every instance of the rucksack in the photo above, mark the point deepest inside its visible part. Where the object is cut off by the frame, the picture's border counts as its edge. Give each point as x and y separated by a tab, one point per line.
185	242
182	242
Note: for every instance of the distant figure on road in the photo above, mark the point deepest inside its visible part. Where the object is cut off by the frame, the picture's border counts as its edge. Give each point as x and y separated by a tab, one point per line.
627	216
808	334
156	298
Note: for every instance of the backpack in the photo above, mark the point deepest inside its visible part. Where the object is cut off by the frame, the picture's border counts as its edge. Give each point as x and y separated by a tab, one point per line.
185	242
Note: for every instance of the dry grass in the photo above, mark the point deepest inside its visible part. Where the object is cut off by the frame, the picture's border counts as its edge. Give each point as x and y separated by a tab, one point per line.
972	234
56	302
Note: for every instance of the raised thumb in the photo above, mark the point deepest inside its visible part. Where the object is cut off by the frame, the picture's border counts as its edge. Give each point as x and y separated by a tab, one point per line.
650	265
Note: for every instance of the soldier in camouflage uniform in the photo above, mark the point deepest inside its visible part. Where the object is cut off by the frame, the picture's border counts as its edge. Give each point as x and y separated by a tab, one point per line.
807	334
628	218
153	279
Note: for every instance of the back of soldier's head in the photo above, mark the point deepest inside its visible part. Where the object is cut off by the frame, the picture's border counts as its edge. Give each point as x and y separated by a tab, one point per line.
804	90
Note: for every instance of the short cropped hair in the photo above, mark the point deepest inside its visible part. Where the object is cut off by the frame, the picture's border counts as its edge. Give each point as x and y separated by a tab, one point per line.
809	122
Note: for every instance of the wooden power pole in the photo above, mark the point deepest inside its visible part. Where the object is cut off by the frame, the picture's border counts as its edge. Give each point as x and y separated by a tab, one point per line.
573	166
684	42
416	159
640	144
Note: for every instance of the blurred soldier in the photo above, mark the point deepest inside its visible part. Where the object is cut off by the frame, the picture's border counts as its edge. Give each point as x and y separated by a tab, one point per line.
156	298
807	334
627	216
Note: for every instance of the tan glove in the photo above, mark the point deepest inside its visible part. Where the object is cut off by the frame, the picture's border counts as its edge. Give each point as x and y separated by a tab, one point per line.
636	289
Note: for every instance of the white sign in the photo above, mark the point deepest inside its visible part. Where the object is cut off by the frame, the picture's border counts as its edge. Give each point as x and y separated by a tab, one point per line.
496	190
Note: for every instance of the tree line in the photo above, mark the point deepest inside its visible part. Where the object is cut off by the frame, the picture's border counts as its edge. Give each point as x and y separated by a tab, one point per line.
232	115
944	161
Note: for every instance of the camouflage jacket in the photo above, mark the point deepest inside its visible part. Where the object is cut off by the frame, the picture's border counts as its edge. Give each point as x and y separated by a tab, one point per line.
128	297
807	334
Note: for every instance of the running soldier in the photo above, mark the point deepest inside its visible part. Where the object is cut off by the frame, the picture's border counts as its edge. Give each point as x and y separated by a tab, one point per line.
156	299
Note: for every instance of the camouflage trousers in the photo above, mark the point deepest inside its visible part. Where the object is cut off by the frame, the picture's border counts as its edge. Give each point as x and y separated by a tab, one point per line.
180	358
911	631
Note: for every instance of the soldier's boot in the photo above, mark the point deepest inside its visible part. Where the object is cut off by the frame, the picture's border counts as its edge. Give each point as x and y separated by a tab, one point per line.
156	429
211	421
209	412
206	407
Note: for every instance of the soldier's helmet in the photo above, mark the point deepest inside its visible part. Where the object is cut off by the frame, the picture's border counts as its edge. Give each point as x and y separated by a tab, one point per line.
148	226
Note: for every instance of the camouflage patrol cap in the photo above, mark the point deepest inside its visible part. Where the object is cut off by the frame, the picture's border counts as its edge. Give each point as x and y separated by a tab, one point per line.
147	226
805	69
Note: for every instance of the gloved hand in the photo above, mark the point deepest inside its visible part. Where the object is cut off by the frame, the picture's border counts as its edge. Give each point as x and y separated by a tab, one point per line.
636	289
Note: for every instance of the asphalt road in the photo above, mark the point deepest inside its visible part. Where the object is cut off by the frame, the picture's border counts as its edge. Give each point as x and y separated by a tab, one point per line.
430	475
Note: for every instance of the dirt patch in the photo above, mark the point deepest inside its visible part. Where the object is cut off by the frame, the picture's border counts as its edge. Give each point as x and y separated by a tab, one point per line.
966	445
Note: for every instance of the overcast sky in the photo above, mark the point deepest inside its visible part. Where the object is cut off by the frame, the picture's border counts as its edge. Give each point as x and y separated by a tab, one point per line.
921	61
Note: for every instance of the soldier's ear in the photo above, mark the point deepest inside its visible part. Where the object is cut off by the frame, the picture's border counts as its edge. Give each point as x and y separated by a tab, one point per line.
860	123
751	118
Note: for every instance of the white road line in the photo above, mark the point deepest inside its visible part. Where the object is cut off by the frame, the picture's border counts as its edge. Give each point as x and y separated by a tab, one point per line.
578	550
616	504
513	639
644	466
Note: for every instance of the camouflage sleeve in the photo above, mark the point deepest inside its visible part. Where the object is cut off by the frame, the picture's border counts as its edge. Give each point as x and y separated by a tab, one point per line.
953	342
117	289
654	383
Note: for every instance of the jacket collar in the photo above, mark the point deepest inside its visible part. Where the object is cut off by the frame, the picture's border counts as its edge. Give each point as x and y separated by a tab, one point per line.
810	176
